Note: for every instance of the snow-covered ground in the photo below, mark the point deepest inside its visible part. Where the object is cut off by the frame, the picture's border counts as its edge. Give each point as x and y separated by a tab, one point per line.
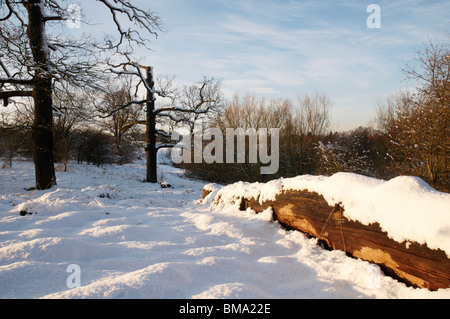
130	239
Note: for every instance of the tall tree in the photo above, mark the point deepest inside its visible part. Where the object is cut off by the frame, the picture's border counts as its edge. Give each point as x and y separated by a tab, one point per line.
34	62
204	97
418	122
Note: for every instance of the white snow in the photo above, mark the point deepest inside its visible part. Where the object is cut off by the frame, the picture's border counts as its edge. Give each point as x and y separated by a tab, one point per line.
136	240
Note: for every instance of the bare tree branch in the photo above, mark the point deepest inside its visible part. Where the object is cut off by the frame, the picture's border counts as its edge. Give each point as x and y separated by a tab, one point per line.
143	19
16	81
9	94
164	145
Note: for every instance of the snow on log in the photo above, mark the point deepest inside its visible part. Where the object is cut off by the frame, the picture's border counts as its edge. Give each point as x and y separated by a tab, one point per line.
402	225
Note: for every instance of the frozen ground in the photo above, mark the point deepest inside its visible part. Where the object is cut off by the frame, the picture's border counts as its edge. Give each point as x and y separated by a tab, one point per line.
136	240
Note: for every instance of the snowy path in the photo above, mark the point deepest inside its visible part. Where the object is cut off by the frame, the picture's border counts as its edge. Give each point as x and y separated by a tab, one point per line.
136	240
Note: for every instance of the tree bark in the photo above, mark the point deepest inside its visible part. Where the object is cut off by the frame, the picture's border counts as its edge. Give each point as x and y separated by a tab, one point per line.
150	132
42	130
412	263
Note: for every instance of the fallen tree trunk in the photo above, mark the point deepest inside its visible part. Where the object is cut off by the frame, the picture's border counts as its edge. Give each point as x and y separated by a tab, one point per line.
409	262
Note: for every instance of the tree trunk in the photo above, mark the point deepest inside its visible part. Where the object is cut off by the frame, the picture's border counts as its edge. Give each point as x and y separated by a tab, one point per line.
150	133
42	131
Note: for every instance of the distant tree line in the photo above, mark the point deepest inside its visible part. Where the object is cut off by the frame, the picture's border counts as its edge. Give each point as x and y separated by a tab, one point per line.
306	144
107	128
77	134
411	135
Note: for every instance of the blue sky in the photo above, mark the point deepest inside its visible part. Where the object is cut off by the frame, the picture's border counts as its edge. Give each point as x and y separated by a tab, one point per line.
283	48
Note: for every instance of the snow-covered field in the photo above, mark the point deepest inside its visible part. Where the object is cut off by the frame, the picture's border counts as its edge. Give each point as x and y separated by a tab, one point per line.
130	239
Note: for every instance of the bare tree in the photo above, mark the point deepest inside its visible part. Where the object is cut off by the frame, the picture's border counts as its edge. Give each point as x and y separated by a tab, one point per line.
314	114
190	98
204	96
119	123
71	110
300	129
243	113
34	62
311	122
418	122
351	151
11	139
